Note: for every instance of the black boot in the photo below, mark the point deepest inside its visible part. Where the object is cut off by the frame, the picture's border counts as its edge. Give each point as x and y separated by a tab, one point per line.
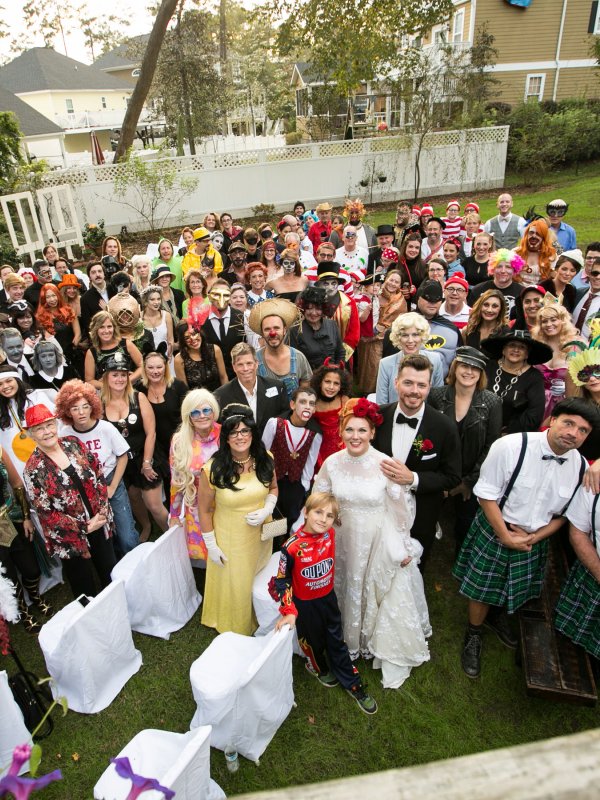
470	659
33	590
30	623
497	621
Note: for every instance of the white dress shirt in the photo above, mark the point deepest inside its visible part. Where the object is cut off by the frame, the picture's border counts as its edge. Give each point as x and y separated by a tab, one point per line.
591	312
403	437
251	397
214	320
580	514
542	489
296	433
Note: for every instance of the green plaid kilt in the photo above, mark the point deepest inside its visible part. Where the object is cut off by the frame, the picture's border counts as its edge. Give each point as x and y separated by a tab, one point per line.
578	609
491	573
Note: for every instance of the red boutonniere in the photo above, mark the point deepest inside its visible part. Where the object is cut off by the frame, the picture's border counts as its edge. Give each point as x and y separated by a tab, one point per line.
421	445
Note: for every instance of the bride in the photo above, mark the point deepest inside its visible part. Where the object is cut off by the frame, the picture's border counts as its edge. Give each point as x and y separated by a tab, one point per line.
377	580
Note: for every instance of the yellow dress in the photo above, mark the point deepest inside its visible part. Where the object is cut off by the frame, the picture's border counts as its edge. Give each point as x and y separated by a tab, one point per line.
228	592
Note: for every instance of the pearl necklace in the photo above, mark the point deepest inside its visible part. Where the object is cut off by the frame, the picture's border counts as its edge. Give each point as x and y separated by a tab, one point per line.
242	463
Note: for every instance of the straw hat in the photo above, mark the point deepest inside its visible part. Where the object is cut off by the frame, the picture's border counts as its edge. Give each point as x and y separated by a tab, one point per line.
275	307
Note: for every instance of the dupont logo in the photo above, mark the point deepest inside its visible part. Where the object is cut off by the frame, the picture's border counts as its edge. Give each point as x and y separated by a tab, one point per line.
317	570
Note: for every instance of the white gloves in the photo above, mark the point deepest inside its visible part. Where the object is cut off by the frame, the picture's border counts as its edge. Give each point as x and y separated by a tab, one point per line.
256	518
214	551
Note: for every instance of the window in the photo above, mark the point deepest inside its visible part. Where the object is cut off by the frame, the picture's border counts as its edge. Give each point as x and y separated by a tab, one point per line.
534	87
594	24
440	36
69	105
458	26
302	102
103	101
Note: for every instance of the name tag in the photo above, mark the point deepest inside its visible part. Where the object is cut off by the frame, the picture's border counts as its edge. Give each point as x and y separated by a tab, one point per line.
271	392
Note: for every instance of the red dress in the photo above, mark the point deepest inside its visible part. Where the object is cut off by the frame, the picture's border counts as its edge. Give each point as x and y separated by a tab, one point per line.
329	422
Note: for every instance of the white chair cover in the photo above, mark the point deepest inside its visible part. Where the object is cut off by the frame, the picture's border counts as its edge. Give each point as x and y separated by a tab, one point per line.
89	650
12	728
265	608
243	687
178	761
159	585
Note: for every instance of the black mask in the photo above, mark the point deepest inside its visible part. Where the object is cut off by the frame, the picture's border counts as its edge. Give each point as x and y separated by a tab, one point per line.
252	241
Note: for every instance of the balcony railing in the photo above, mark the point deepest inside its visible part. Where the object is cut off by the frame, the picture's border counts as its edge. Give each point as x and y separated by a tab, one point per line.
98	120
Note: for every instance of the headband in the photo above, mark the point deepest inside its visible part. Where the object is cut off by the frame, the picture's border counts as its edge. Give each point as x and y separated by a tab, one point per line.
11	374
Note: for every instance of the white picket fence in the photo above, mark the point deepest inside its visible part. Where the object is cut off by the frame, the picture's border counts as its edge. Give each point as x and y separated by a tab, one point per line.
376	169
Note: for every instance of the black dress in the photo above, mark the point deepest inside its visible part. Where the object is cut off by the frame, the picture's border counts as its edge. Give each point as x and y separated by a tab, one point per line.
201	374
132	429
523	401
475	271
167	413
40	380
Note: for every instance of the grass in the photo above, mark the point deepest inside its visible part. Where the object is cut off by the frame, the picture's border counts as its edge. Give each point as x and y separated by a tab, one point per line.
439	713
581	190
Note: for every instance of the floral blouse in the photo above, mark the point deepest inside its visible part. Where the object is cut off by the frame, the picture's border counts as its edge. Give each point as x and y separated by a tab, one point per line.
55	498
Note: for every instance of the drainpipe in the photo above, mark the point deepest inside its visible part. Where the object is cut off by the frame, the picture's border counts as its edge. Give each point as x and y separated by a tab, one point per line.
558	45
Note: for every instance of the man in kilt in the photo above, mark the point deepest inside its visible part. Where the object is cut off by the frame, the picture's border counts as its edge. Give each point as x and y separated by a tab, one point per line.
525	486
578	608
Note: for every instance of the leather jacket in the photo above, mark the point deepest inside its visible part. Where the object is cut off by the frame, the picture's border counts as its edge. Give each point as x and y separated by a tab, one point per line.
480	427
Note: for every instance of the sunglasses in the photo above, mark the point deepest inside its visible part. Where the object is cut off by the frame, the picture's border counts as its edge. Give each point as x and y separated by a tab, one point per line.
350	235
595	273
197	413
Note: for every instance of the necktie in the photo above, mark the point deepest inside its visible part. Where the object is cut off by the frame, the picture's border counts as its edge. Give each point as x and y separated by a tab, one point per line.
554	458
584	310
412	422
221	329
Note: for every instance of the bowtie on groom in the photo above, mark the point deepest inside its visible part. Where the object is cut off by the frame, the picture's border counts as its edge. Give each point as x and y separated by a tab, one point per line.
423	447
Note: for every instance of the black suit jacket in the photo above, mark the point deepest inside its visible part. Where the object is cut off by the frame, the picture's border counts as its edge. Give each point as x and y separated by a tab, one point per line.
271	400
235	334
90	305
438	470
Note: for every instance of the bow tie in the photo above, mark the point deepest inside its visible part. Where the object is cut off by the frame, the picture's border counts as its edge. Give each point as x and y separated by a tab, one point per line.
554	458
412	422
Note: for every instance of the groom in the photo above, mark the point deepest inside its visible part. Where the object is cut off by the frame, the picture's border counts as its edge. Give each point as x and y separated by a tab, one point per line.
423	447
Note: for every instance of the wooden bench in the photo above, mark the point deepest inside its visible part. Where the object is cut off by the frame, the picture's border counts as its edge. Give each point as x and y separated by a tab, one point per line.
555	667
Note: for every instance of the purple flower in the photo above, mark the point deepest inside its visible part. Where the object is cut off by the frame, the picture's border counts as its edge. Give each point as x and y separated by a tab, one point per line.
139	783
21	788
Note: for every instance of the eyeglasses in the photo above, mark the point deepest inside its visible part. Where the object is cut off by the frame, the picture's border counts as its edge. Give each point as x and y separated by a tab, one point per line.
455	290
243	432
45	272
198	413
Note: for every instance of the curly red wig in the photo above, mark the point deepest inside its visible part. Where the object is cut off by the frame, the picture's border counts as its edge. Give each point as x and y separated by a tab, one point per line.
62	312
547	252
73	392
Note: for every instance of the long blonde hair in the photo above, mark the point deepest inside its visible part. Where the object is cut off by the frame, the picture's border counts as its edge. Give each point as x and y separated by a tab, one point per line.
182	450
106	394
568	331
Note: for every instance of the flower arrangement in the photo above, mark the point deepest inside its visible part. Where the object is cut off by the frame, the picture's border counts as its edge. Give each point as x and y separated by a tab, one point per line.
364	408
93	234
422	446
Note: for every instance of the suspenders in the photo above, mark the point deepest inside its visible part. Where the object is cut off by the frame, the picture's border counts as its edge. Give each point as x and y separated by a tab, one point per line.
517	470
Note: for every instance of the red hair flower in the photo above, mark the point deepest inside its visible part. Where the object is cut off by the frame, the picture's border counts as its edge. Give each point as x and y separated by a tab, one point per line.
364	408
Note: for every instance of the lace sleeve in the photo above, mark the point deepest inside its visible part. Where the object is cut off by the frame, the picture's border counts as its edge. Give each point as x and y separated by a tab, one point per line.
323	480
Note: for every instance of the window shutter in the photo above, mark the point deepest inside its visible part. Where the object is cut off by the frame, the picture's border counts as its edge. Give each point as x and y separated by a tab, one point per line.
593	15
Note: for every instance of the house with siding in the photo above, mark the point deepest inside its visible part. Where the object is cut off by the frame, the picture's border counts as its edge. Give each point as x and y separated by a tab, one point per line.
544	46
544	53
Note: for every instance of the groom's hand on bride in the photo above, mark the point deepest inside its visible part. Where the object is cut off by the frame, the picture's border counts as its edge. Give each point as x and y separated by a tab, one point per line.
397	472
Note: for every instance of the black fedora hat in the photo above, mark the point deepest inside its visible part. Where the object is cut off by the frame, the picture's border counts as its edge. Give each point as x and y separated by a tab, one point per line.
329	269
385	230
538	352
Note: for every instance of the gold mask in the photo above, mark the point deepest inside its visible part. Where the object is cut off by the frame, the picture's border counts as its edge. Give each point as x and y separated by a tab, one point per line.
219	297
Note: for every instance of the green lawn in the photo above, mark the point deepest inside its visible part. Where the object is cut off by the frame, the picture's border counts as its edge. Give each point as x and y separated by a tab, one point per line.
439	713
577	190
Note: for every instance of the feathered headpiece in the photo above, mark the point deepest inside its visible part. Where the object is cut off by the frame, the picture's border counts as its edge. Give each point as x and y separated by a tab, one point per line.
354	205
582	366
198	311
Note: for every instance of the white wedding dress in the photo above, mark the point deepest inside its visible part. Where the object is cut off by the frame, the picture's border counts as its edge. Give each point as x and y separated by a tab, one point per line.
384	612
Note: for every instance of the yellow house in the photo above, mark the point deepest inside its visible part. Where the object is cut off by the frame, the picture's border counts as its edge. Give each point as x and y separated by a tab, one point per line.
544	46
124	62
76	97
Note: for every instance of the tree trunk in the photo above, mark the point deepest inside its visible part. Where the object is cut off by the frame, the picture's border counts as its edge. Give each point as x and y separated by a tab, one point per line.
142	87
185	91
